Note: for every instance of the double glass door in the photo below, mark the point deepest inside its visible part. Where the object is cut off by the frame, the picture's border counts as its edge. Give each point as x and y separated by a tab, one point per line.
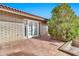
33	29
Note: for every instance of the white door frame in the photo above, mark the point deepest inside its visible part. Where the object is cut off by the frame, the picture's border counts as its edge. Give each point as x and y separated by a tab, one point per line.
30	30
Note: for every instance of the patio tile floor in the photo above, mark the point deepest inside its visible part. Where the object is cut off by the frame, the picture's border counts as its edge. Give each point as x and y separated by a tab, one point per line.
33	47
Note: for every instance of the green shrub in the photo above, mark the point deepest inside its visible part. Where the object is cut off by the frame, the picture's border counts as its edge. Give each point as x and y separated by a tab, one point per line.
63	25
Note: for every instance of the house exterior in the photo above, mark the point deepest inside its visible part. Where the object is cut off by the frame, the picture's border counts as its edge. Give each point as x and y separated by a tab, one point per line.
16	25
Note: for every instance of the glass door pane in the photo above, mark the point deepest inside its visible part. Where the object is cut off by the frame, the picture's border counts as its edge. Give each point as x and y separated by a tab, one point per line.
35	28
30	28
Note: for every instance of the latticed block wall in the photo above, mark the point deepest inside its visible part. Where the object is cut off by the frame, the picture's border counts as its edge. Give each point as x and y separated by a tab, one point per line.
10	30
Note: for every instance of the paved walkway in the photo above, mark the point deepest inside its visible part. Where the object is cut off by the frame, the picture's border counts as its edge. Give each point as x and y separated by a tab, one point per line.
33	47
70	49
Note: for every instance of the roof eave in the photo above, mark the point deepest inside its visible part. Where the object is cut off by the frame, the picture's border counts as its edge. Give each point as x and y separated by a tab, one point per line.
26	15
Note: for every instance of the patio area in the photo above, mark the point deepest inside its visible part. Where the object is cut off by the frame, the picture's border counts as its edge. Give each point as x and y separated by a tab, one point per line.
32	47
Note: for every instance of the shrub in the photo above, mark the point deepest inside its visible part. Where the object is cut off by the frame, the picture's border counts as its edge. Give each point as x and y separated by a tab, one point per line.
63	25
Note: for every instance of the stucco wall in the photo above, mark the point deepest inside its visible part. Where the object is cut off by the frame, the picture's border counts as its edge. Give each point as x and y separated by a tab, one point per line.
43	29
12	27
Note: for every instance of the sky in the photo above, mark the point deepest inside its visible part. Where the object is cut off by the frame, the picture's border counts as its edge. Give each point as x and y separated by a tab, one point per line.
40	9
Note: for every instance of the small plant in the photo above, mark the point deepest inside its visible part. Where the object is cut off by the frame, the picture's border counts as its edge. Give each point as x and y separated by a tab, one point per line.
63	25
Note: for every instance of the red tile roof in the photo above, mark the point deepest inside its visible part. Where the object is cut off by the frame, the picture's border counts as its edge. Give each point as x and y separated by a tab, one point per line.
15	10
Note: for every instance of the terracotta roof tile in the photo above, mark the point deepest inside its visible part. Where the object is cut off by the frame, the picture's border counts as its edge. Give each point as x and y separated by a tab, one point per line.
15	10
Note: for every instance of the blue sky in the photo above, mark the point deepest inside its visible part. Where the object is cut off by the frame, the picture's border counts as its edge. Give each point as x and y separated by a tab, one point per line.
40	9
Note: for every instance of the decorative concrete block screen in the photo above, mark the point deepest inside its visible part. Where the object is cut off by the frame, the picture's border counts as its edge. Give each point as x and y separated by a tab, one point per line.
10	31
